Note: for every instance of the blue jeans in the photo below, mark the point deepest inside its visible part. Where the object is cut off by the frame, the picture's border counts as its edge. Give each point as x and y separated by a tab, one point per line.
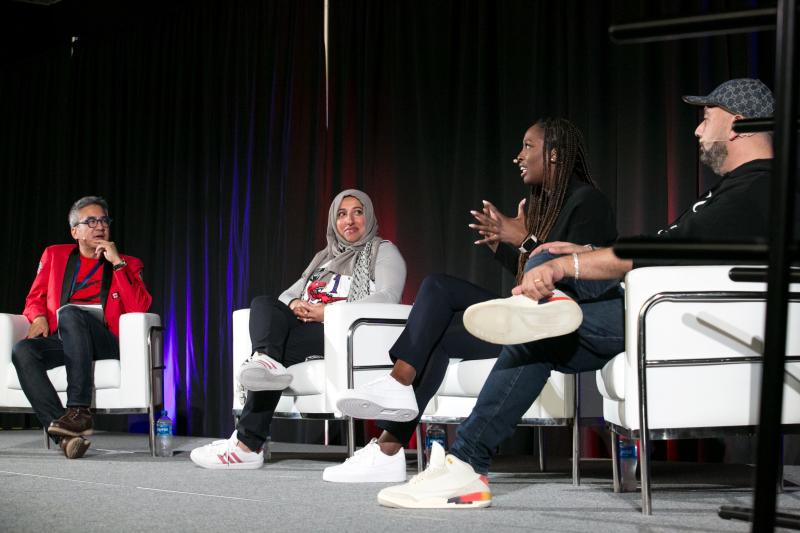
522	370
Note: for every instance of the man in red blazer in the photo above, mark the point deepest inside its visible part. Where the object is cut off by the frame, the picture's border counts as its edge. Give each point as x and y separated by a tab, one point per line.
97	284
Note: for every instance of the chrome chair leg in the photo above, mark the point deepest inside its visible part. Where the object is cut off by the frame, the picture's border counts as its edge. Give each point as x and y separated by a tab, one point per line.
420	447
576	434
540	440
351	436
615	467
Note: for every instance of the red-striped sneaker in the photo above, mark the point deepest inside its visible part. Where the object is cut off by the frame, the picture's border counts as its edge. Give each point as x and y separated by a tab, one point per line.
225	454
262	372
447	483
519	319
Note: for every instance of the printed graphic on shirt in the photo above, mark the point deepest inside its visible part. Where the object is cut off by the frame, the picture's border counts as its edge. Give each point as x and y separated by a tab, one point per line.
85	288
694	209
329	288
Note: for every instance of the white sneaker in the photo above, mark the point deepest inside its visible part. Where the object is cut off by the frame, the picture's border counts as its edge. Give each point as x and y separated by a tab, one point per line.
447	483
382	399
225	454
262	372
519	319
369	465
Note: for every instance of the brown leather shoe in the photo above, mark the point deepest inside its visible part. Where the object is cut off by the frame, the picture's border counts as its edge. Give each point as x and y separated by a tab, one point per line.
77	421
74	447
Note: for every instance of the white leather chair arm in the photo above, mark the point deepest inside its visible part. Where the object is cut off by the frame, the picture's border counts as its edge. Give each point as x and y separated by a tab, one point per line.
13	328
611	379
134	332
338	320
644	283
242	348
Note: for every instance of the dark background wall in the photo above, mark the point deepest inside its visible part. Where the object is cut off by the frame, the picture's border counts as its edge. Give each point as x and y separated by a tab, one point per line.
205	127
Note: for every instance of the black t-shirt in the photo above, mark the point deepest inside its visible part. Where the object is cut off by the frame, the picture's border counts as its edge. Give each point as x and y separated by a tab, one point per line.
585	218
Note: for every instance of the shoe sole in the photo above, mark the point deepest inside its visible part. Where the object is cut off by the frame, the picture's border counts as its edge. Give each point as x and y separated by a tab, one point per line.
431	503
257	379
370	410
370	476
61	432
518	319
76	448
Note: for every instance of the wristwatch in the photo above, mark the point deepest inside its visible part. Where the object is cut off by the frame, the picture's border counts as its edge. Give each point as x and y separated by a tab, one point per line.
528	244
118	266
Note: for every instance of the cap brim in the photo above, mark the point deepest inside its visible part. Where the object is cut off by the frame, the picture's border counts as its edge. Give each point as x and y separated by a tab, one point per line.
698	100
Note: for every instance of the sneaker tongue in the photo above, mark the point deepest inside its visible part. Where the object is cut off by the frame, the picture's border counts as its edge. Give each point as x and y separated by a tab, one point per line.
437	455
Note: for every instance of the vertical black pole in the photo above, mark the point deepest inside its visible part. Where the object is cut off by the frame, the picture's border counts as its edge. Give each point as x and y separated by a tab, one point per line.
782	223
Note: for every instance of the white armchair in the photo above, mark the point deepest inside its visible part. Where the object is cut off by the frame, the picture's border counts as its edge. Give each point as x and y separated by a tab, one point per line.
131	384
692	360
357	341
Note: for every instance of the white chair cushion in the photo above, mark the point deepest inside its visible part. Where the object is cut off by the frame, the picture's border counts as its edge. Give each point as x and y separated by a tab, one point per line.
308	378
106	376
466	378
611	378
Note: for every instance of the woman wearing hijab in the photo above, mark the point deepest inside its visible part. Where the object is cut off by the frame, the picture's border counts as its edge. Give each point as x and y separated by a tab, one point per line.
564	204
356	265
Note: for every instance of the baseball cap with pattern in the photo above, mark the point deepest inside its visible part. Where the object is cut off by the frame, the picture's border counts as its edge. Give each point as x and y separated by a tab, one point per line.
743	96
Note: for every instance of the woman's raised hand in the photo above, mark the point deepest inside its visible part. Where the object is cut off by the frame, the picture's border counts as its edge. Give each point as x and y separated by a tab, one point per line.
495	227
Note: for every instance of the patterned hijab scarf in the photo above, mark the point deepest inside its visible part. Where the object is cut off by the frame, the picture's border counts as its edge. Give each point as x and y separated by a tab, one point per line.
354	259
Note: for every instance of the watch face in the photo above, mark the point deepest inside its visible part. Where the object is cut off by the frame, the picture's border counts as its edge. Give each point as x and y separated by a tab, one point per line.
527	245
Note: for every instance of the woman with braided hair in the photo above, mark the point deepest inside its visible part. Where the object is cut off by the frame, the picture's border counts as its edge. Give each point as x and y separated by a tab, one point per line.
553	163
356	265
564	204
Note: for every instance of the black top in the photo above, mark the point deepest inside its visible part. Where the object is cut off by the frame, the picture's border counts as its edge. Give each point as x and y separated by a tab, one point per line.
585	218
735	209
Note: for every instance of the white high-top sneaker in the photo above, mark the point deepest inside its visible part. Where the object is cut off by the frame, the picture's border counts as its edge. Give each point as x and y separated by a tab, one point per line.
447	483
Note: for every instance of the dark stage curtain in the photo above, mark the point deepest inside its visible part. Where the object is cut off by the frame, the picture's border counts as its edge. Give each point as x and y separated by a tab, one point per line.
205	128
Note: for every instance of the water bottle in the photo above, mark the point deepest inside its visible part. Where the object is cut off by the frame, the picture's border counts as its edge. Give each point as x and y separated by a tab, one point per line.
434	433
164	435
627	464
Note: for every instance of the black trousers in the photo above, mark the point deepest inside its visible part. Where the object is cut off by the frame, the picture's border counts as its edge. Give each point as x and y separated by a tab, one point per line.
275	331
81	339
435	333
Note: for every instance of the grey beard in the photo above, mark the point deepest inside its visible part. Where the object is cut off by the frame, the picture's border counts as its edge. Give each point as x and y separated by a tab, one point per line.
714	157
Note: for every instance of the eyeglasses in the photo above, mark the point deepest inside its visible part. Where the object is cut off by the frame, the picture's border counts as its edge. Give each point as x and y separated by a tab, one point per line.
92	222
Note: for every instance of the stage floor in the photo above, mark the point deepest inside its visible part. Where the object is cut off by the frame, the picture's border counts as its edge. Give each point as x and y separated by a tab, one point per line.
119	487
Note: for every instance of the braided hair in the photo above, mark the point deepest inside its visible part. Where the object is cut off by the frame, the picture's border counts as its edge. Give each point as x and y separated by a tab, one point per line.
564	143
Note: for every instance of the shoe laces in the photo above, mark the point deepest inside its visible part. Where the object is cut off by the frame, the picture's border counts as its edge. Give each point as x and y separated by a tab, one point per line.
361	455
429	473
73	413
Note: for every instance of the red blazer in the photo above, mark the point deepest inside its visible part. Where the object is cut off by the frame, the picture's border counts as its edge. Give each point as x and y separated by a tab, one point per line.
122	291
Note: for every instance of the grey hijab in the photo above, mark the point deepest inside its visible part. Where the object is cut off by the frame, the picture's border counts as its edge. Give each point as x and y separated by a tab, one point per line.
355	259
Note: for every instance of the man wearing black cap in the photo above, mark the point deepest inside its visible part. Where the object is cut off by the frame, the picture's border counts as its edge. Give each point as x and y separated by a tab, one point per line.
736	208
